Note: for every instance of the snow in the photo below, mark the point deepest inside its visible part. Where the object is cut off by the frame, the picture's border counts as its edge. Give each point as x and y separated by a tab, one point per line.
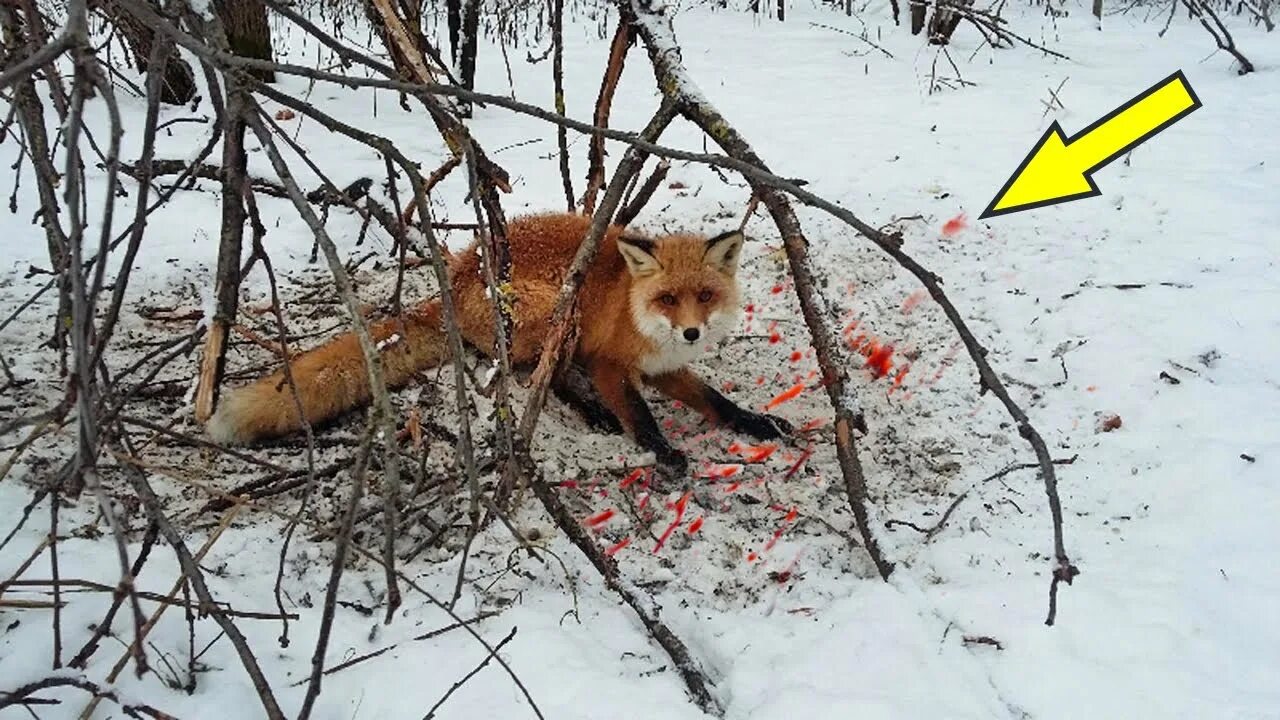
1173	615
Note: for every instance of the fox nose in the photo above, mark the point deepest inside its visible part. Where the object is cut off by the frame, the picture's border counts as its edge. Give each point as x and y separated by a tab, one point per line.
691	334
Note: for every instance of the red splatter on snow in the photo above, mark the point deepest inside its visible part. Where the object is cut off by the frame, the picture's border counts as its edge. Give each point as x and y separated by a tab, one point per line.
880	360
695	526
776	289
955	225
774	338
796	356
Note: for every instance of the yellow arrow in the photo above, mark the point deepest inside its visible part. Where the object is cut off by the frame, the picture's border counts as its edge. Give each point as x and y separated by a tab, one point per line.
1060	169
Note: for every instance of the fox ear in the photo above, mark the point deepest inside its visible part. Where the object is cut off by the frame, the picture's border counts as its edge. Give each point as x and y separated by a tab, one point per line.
723	251
638	252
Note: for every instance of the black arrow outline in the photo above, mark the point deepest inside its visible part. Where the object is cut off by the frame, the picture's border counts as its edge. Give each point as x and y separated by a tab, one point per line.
1088	173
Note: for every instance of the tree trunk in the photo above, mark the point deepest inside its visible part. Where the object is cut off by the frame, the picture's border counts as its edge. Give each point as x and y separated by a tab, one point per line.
453	9
1097	12
179	84
470	40
945	20
918	10
248	33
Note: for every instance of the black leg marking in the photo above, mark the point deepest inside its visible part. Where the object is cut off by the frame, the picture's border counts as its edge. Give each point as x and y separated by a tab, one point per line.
649	435
758	425
575	390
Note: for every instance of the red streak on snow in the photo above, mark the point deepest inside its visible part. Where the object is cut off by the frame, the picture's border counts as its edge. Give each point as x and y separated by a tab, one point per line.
813	424
634	476
614	548
795	468
695	526
569	483
913	300
758	453
789	394
679	508
722	472
600	518
790	518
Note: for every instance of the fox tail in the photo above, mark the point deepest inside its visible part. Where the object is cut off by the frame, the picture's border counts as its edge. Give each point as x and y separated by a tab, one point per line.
331	379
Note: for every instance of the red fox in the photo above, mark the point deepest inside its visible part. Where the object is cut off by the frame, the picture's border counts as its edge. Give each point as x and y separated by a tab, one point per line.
649	305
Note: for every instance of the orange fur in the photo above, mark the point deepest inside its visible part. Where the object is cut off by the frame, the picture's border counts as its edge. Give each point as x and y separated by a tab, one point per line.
641	299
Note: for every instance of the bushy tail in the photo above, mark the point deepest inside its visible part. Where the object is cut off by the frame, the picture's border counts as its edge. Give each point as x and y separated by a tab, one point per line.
331	379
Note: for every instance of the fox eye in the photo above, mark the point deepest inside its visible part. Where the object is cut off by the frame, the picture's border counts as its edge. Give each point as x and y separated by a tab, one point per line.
667	299
705	296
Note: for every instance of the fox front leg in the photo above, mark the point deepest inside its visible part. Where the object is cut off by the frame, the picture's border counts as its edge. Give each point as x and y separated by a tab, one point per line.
622	398
686	387
573	388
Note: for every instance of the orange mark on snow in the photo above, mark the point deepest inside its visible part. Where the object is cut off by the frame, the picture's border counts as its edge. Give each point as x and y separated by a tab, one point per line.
600	518
754	453
752	557
897	379
955	225
614	548
789	394
728	386
813	424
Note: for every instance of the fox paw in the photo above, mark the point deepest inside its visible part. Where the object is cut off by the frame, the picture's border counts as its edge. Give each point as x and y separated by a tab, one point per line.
672	464
762	426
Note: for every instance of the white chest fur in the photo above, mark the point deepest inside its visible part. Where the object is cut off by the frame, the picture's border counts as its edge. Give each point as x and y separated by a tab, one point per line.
670	356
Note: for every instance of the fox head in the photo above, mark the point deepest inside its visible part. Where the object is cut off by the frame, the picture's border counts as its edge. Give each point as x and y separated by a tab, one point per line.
684	288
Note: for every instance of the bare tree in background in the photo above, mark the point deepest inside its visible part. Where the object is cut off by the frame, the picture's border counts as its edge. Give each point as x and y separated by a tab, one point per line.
248	33
179	84
469	42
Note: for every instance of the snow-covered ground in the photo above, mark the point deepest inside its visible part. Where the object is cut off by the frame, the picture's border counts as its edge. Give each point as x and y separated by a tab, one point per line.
1170	517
